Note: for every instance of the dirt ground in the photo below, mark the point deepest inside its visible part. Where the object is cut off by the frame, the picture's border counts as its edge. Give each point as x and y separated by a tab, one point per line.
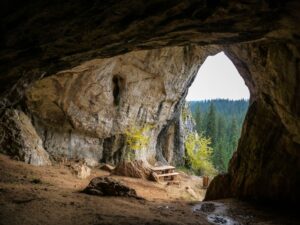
32	195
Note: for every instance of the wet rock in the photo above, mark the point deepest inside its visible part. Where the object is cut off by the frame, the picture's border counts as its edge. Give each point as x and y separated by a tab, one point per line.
215	219
107	186
19	139
208	207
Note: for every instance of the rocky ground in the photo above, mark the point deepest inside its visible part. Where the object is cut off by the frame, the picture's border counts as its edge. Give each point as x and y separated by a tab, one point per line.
52	195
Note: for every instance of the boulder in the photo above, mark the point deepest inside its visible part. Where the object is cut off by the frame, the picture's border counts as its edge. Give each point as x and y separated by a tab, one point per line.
136	169
107	186
82	171
219	191
19	139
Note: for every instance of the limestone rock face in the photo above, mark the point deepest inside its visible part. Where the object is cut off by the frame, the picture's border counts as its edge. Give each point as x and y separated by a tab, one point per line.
266	164
20	140
85	111
170	147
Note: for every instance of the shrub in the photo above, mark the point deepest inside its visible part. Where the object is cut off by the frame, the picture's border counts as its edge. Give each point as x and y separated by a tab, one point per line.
198	154
137	139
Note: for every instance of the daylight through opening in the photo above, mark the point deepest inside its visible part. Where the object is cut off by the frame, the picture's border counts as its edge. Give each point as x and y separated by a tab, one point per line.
217	103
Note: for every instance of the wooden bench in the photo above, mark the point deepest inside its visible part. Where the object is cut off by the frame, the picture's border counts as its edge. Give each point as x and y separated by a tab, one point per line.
166	173
163	169
168	176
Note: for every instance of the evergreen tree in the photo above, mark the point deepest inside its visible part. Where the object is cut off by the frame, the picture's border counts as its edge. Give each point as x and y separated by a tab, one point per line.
221	128
234	135
211	129
198	119
211	132
220	149
221	121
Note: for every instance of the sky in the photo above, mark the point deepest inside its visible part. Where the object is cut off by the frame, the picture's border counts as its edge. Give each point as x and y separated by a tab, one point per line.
218	78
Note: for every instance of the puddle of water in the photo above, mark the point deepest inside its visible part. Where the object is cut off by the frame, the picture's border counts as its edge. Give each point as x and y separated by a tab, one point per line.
209	207
216	213
218	219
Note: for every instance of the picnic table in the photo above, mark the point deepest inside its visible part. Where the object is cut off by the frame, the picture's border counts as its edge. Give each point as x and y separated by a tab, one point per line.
165	172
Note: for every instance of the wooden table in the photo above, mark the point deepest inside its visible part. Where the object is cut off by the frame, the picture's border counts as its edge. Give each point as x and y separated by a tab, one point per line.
165	172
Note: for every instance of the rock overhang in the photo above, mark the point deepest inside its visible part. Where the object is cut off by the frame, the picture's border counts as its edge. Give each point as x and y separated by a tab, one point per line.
252	30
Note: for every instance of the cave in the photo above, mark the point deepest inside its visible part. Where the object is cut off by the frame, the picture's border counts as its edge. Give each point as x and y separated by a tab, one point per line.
74	77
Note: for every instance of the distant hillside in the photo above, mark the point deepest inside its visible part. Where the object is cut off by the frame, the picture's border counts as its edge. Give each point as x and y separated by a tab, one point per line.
226	108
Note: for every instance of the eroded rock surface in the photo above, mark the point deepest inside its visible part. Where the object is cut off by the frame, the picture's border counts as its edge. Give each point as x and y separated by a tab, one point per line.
85	111
20	140
267	163
47	37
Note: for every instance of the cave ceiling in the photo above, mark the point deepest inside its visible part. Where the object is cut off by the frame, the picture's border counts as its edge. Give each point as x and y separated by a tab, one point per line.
44	37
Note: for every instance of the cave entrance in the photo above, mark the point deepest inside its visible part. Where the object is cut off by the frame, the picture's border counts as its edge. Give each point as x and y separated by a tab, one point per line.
218	102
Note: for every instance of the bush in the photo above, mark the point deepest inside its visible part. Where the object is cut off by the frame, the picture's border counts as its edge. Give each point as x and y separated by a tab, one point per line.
137	139
198	154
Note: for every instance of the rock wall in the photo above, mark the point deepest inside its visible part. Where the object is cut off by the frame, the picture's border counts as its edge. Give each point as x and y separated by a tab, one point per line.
267	163
85	111
18	138
170	147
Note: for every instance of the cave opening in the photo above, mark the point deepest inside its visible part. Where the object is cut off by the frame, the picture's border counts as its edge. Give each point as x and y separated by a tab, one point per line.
217	102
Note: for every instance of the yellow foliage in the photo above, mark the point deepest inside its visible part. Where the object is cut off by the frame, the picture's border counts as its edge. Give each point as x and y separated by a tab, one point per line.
199	153
136	138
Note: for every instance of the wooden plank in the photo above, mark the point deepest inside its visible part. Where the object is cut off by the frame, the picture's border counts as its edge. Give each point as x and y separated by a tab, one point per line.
167	174
161	168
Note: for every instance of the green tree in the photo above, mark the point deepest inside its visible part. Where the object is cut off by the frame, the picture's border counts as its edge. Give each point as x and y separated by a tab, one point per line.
198	154
221	120
211	132
198	119
211	129
221	128
234	135
219	156
220	146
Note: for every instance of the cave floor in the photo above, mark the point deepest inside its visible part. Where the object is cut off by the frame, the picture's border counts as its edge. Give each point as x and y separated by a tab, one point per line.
51	195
